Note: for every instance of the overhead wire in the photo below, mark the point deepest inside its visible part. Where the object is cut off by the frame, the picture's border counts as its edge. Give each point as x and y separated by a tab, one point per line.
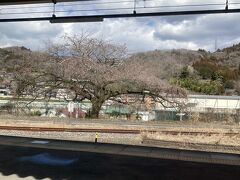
113	2
106	9
70	4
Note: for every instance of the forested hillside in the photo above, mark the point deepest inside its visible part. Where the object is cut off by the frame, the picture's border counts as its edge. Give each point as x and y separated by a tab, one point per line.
199	71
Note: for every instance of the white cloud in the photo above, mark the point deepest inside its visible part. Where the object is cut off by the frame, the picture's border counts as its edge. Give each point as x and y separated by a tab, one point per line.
139	34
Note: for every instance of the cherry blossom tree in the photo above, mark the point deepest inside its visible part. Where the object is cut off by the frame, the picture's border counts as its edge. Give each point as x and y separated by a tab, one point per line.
91	69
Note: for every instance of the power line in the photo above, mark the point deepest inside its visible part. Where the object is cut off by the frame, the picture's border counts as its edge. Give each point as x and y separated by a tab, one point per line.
119	2
111	9
109	16
71	4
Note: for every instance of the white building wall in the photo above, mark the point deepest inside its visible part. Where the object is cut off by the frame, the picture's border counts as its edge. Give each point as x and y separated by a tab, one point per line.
202	103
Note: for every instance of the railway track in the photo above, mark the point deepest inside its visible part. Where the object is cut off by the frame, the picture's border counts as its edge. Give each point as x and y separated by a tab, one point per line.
42	129
117	131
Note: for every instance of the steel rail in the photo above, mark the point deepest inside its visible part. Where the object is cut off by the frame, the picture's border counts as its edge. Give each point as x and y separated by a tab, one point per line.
109	16
44	129
120	131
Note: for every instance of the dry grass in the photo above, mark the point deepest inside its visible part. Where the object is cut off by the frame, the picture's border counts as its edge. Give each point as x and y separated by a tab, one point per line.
216	139
231	129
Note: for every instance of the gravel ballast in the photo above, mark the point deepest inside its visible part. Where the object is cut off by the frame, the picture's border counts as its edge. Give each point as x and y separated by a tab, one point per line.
131	139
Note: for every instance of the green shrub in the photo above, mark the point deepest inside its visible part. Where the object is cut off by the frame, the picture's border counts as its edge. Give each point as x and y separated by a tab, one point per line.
35	113
9	107
206	87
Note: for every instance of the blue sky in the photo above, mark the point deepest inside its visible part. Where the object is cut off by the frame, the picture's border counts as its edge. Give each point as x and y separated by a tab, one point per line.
138	34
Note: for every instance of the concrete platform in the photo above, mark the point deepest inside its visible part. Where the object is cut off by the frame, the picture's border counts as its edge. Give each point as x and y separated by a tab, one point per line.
28	163
127	150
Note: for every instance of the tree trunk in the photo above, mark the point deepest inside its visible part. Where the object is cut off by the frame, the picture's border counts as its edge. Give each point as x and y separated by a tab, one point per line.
96	107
